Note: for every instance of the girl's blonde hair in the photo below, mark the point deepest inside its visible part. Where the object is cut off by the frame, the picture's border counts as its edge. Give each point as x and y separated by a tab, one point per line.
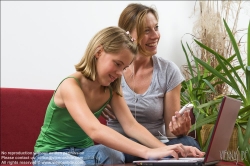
113	40
134	16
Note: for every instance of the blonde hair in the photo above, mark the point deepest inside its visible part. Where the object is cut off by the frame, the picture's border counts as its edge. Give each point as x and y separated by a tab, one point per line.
134	17
112	39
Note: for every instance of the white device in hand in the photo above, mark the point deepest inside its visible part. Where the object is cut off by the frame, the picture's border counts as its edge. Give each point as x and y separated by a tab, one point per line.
185	108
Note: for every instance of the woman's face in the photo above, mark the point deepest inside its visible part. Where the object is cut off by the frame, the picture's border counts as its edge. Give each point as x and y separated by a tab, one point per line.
151	36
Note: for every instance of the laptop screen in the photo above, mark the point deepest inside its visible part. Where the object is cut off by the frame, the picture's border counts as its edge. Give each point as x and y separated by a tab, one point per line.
223	128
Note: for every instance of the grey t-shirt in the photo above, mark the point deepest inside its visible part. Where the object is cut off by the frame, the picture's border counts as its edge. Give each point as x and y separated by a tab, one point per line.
147	108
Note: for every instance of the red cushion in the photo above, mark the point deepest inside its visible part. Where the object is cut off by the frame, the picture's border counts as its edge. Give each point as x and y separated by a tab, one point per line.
102	120
22	115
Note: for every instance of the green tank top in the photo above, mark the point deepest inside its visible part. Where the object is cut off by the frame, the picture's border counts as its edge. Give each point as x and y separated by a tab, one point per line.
60	131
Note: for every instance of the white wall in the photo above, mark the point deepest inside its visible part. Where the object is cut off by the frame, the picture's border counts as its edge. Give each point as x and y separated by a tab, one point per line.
41	41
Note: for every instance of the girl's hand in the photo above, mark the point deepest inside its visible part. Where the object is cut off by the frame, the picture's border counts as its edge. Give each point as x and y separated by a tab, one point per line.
180	124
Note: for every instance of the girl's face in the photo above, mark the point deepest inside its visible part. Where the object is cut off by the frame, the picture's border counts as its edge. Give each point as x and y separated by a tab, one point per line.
110	66
151	36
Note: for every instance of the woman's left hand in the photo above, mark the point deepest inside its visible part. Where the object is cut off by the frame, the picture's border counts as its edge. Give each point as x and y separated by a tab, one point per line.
180	124
193	152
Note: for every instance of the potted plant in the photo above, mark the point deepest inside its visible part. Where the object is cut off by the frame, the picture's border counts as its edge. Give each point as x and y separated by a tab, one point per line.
226	73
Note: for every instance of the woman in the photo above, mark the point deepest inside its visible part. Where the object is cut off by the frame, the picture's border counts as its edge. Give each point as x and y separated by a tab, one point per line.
151	85
71	123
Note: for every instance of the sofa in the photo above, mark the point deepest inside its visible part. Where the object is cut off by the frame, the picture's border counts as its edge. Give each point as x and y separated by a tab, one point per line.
22	115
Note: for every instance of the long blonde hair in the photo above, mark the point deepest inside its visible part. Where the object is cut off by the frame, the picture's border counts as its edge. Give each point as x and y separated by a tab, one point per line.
134	16
112	39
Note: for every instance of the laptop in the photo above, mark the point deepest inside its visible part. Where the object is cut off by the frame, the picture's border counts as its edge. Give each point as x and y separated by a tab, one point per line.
219	141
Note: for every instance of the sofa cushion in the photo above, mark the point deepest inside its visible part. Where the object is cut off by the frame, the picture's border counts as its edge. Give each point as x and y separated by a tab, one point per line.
22	115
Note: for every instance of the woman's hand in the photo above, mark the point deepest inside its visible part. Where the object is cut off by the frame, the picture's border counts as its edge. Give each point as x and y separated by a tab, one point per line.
108	113
175	150
180	124
190	151
193	152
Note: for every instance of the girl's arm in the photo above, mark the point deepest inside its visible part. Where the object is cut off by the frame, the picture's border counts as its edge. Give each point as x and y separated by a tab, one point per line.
175	124
75	102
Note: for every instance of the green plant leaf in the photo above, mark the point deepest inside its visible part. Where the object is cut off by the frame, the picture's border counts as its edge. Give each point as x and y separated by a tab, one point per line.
233	69
203	121
212	70
209	84
244	110
188	61
247	135
247	71
197	68
229	59
240	137
241	144
231	83
209	103
218	68
234	44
